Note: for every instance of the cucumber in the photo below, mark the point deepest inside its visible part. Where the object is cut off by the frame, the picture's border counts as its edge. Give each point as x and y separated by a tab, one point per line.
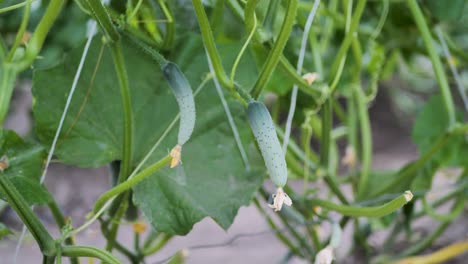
264	131
184	96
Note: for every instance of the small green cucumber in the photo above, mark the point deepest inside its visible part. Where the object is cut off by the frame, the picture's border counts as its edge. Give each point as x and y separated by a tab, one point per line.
184	96
264	131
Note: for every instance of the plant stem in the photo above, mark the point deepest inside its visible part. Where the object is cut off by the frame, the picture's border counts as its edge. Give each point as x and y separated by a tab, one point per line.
354	211
61	222
85	251
325	142
213	54
15	6
7	82
18	203
337	67
127	110
366	140
102	17
162	240
436	63
37	40
126	185
446	217
170	25
277	50
21	30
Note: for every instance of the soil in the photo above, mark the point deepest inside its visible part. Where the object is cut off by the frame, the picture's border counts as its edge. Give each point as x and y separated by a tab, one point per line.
76	190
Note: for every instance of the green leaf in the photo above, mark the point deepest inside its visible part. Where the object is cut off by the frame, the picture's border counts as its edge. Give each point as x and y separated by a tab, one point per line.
4	231
25	166
216	183
431	123
446	10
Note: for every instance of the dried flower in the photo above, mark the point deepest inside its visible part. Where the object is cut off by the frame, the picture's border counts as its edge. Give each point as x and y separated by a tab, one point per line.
175	154
349	158
325	256
310	77
279	199
4	163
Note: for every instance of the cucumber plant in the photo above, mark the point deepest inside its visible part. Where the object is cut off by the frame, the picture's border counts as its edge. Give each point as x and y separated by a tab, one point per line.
134	83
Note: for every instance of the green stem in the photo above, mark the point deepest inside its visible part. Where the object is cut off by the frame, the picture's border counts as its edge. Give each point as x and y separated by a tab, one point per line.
249	13
21	30
115	222
102	17
85	251
244	47
288	69
355	211
446	217
127	110
317	56
325	142
366	140
155	247
269	20
48	259
170	25
16	201
16	6
213	54
119	247
144	47
337	67
8	78
329	26
61	222
37	40
436	63
126	185
277	50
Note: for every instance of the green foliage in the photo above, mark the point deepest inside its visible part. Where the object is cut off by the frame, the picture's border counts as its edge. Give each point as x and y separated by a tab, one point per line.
431	123
216	184
446	10
25	165
123	106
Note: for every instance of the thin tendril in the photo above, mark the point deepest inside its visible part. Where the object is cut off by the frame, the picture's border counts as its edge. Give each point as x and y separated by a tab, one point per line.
244	47
229	117
300	62
382	19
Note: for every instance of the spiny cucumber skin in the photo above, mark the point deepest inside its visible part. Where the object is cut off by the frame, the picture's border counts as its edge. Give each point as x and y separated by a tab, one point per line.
264	131
184	96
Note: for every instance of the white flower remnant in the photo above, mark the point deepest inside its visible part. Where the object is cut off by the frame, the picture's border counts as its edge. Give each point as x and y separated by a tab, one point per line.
310	77
4	163
175	154
349	158
279	199
325	256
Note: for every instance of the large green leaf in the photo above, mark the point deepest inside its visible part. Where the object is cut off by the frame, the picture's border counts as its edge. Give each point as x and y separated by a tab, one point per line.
446	10
431	123
216	183
25	166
